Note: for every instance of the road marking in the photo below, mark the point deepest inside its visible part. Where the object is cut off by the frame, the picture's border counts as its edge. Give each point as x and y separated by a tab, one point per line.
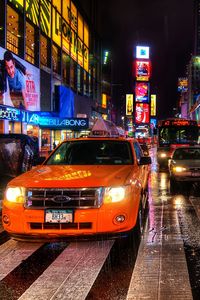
72	274
12	253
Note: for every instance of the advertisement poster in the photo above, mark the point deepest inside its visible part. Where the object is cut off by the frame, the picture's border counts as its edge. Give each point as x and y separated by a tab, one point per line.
153	105
141	92
142	70
129	104
19	82
141	113
142	52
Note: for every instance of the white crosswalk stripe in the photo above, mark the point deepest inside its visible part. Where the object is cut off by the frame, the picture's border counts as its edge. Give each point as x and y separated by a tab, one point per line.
12	253
72	274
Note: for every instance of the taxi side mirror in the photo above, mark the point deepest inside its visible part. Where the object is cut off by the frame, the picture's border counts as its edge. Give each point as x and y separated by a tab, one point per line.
145	160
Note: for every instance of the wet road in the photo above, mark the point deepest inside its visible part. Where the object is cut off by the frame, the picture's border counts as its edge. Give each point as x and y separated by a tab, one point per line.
108	269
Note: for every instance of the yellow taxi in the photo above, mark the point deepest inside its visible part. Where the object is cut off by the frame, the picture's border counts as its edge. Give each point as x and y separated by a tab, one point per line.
86	187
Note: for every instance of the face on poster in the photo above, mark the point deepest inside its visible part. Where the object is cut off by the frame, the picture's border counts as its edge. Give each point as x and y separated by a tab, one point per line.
141	92
19	82
142	113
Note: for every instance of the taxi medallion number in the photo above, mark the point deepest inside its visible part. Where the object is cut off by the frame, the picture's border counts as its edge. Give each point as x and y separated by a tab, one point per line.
58	216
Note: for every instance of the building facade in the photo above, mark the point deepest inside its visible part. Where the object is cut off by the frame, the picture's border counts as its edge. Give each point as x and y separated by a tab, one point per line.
48	47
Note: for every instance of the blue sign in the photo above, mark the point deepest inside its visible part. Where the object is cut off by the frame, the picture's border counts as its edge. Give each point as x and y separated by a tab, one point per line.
66	97
43	119
10	113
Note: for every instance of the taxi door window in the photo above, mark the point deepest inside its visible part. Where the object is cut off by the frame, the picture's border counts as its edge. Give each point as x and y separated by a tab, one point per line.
138	151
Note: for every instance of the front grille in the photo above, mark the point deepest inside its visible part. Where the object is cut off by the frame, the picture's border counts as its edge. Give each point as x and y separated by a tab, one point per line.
194	169
64	198
60	226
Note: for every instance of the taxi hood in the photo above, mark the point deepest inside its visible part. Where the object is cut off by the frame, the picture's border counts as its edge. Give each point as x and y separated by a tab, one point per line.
74	176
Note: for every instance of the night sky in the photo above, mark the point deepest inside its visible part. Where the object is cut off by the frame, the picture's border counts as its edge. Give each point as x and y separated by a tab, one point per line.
167	26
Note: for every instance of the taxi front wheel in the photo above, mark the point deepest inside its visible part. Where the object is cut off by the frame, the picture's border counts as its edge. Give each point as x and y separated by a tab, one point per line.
135	234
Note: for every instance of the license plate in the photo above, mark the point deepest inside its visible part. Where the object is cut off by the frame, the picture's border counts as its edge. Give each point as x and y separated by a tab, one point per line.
58	216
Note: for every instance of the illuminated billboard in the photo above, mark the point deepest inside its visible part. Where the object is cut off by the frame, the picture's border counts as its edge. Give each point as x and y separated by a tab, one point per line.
68	28
153	105
141	92
142	70
22	86
153	122
142	52
182	84
104	100
129	104
141	113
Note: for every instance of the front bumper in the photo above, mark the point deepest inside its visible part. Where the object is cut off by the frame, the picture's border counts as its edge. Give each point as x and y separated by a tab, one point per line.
19	221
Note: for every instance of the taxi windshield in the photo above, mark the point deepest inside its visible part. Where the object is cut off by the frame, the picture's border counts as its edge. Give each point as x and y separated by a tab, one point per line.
92	152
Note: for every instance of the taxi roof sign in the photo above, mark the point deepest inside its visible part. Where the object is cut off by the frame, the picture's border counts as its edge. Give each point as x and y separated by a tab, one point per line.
103	127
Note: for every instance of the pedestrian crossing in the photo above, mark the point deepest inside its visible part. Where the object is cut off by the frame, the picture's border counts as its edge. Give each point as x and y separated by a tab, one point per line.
72	274
69	273
12	253
62	270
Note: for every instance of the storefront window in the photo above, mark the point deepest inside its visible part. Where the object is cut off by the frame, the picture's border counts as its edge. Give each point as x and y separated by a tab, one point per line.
73	73
56	59
30	43
79	79
13	34
44	52
85	83
66	68
45	140
90	86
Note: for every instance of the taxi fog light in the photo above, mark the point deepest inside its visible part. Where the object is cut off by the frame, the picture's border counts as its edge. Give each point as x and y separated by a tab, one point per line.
179	169
15	194
114	194
6	219
120	219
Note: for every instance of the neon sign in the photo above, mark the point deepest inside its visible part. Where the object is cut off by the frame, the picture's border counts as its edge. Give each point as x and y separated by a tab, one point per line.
42	119
11	114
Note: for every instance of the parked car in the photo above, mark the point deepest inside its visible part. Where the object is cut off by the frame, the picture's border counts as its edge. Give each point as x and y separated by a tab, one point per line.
86	187
18	153
184	166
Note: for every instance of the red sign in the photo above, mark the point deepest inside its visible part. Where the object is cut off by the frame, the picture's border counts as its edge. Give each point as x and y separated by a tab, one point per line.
141	92
141	113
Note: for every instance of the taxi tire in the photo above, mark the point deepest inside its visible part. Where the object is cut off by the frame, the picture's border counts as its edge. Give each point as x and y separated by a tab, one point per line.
134	236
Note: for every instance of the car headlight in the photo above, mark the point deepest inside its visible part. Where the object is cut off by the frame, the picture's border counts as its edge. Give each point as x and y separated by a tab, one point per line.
178	169
163	154
15	194
114	194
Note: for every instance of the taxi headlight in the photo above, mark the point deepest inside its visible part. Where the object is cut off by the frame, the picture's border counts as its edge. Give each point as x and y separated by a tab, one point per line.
178	169
114	194
15	194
